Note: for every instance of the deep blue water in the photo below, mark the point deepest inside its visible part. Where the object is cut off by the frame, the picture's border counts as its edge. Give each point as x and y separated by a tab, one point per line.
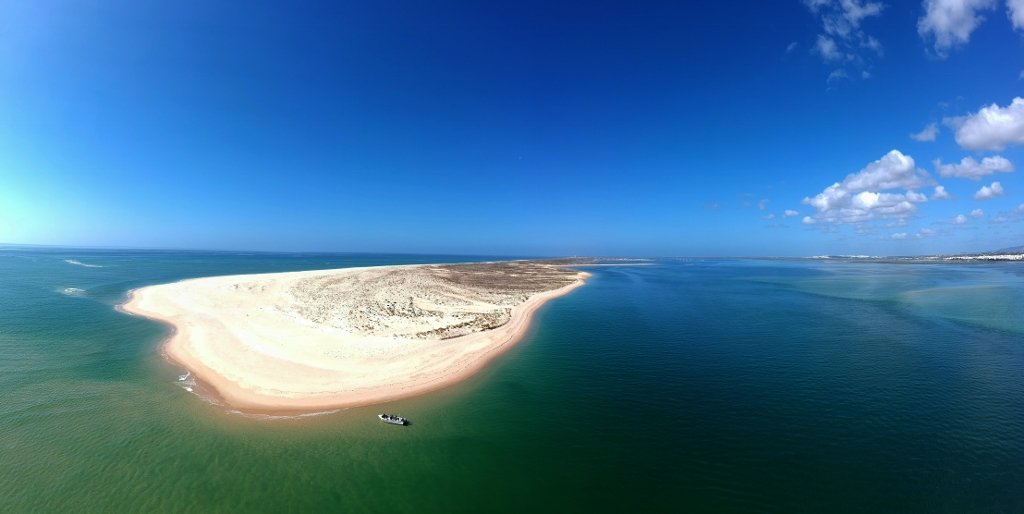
683	385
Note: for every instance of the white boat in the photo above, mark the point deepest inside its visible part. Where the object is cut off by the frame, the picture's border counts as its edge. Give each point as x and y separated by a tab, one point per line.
391	419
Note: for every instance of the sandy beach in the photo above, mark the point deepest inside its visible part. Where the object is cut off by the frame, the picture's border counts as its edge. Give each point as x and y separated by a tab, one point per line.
312	340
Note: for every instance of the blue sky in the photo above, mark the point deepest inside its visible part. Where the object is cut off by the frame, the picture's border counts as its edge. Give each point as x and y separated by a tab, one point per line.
530	128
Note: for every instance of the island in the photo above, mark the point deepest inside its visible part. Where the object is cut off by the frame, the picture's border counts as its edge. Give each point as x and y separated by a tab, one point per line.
313	340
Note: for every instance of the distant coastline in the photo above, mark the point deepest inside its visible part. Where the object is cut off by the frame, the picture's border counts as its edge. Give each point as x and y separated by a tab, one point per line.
316	340
979	257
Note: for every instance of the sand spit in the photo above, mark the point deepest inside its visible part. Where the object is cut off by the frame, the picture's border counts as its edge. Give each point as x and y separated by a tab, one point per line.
315	340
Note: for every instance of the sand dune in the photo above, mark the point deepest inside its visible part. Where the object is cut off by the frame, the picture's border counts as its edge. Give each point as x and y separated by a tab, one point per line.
323	339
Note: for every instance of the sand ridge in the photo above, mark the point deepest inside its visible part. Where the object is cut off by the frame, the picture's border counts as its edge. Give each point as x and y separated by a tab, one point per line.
354	336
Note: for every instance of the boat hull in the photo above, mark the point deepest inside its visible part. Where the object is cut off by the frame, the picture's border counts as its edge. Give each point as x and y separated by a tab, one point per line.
391	420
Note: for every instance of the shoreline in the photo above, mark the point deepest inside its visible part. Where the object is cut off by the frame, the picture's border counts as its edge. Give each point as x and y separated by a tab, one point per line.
416	371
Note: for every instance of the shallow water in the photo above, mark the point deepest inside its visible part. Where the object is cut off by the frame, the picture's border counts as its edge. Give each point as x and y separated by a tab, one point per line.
707	385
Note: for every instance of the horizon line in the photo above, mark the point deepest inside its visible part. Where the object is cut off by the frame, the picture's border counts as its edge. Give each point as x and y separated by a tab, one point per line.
364	252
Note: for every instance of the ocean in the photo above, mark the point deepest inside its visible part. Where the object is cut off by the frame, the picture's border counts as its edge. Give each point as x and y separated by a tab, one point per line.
684	385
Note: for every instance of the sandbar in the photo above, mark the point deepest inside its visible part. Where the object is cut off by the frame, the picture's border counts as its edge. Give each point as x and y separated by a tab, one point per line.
324	339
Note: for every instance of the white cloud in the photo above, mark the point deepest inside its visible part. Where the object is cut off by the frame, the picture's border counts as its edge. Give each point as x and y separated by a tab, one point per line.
899	236
769	216
836	75
992	127
854	11
974	170
873	44
1020	208
860	197
960	219
832	197
762	204
928	133
949	23
914	196
792	46
892	171
1015	10
842	18
925	232
977	213
827	49
867	199
842	39
789	213
989	192
940	193
808	220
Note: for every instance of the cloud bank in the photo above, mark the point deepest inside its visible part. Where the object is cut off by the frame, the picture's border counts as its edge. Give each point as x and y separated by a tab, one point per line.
863	196
974	170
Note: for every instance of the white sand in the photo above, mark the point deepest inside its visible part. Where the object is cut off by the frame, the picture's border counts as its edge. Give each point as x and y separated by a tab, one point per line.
324	339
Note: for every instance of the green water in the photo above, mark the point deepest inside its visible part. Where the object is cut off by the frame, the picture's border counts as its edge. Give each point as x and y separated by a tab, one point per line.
687	385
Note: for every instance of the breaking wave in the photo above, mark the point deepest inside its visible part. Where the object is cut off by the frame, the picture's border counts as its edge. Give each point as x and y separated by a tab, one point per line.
188	382
80	263
253	415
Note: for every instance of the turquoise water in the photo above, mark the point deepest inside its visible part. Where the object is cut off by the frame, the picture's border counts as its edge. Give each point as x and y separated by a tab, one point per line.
686	385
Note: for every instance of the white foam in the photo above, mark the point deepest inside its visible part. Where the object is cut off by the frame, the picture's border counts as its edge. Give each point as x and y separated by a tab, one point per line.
282	416
73	291
79	263
188	382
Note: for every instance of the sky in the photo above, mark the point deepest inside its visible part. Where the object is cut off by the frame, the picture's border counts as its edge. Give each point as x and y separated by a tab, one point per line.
786	128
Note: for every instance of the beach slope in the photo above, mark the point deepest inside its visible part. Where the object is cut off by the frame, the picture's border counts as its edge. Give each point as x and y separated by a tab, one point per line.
310	340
